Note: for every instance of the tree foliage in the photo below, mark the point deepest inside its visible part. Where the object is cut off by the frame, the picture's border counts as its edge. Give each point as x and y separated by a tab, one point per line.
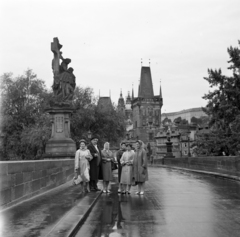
27	128
107	125
22	106
223	105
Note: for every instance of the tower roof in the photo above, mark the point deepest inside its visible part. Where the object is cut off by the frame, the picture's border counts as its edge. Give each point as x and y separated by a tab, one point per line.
121	102
160	93
146	85
105	104
128	100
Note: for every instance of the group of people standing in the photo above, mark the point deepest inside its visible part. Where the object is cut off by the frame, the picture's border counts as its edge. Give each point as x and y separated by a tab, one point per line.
92	164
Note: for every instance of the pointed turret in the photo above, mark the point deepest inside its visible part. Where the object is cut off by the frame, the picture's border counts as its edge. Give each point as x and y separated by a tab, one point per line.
128	100
146	85
132	93
121	103
160	93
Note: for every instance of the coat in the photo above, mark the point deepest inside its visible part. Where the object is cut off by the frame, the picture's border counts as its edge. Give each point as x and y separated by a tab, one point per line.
127	162
82	158
95	163
107	165
119	155
140	172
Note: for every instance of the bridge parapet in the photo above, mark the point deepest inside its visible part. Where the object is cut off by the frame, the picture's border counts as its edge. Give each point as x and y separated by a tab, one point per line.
221	164
21	180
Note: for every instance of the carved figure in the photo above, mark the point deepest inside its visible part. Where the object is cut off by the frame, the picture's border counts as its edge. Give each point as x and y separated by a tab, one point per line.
64	80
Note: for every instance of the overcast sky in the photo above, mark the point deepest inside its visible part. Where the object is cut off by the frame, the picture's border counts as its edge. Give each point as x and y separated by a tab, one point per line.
107	39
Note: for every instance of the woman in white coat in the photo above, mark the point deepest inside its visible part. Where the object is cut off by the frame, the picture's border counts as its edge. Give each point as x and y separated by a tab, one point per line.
82	167
127	163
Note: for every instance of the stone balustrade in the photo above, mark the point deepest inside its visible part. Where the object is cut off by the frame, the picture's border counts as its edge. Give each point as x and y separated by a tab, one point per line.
21	180
229	165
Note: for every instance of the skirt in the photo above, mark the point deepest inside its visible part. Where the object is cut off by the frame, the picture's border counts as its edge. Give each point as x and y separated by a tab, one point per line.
126	176
107	171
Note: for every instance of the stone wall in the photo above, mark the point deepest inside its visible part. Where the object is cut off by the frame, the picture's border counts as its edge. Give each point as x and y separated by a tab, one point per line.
20	180
222	164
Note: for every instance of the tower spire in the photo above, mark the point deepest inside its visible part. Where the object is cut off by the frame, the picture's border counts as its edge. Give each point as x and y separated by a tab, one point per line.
160	92
121	93
138	88
132	92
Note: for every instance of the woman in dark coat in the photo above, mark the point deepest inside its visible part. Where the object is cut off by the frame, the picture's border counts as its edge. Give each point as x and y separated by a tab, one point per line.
140	172
95	164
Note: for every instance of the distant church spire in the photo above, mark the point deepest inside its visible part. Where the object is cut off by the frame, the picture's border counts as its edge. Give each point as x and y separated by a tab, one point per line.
138	88
121	94
160	92
132	92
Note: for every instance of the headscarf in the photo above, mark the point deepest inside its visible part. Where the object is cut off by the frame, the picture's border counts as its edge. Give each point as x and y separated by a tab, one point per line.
104	146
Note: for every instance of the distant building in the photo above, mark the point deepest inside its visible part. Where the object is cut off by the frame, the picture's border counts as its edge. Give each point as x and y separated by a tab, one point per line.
161	139
105	104
187	114
142	113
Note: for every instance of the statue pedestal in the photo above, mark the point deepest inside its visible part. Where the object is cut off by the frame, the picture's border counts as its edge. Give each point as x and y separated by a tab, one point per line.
169	150
60	145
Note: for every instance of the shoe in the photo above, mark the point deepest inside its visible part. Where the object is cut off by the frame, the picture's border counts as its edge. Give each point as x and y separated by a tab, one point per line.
141	193
128	192
123	192
137	193
119	191
108	191
104	191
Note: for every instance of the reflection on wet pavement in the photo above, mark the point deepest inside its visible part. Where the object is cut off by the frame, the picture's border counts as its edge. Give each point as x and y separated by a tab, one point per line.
175	204
38	216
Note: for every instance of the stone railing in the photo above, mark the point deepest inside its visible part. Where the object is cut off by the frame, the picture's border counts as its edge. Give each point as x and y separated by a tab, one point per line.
222	164
20	180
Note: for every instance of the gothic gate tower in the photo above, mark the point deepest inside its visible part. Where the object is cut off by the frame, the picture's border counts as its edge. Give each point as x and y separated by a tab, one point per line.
146	109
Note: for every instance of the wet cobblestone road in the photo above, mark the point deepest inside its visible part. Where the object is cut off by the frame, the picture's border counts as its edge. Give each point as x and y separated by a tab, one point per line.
175	204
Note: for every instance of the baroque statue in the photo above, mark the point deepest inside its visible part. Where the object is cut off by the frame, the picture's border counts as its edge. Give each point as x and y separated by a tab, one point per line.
64	80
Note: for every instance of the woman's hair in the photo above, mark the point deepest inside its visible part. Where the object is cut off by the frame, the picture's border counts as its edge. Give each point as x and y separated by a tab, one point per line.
105	144
128	144
82	140
139	142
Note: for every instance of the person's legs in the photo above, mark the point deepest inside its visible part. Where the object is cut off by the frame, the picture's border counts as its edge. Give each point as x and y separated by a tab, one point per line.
96	181
142	188
124	188
104	186
87	187
129	188
119	177
107	186
139	188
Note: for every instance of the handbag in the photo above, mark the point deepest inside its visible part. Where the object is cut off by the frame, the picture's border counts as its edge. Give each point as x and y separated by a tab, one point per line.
78	180
114	165
133	182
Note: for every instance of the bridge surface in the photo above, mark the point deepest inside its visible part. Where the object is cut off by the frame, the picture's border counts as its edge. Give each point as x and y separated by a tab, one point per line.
176	203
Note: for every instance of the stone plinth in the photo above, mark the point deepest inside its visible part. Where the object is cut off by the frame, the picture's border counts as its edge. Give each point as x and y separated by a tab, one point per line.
60	144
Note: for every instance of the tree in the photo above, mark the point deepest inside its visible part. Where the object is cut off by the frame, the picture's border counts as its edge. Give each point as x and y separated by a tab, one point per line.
108	125
23	103
223	104
27	127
